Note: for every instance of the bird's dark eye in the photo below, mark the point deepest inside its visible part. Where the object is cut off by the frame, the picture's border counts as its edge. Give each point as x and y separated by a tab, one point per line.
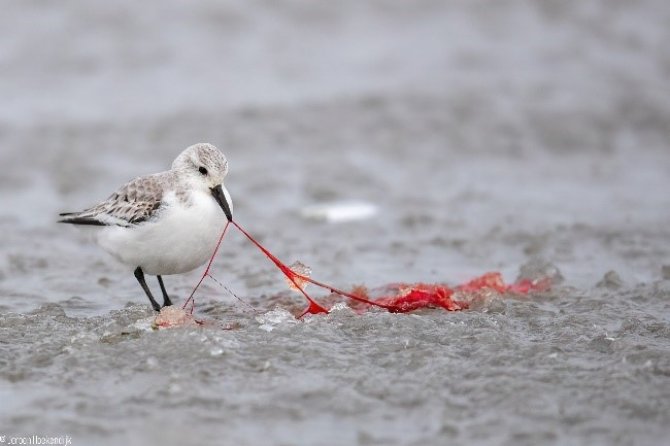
203	170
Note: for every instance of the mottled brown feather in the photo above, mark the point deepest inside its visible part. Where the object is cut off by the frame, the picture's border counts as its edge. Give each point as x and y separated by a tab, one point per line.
137	201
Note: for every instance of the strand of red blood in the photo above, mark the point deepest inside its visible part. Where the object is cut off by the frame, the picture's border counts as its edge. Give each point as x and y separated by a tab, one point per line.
313	307
191	298
332	289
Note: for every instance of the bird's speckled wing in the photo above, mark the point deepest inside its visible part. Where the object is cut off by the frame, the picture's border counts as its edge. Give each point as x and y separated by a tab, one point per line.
135	202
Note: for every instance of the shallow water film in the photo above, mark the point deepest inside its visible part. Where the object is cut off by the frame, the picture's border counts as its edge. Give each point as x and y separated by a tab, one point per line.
375	142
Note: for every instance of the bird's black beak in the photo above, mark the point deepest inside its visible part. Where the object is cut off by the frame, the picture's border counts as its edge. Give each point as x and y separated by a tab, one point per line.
221	197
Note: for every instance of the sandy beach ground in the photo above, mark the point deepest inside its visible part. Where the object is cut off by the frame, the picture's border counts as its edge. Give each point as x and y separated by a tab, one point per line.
515	136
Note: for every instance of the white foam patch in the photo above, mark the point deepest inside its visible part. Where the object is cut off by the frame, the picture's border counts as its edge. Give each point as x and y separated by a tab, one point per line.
340	306
275	318
145	324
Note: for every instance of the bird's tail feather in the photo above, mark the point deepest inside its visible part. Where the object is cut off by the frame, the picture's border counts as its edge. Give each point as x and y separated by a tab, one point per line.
78	218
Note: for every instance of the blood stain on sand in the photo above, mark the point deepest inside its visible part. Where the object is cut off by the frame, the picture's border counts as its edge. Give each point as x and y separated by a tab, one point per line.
395	298
171	317
402	297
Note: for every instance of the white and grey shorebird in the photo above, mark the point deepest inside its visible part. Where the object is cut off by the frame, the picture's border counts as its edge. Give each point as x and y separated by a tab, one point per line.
165	223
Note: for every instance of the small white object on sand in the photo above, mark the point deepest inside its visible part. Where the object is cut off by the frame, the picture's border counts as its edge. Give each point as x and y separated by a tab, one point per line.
299	268
340	212
172	316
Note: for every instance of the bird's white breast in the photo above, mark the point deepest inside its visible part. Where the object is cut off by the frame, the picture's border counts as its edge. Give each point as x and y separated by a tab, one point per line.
180	239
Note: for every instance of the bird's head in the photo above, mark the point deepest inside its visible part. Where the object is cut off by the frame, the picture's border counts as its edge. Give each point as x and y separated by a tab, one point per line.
204	167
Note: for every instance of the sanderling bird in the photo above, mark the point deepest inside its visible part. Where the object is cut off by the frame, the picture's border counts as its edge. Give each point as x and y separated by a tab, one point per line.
165	223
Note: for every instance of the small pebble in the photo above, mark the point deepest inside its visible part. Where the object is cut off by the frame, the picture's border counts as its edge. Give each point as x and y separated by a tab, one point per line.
610	280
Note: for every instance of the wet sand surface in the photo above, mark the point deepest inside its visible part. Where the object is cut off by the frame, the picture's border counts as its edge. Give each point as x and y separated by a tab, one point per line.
489	135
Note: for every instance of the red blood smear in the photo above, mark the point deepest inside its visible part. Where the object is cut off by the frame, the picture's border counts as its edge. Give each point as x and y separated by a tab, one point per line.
415	297
411	297
526	286
494	281
407	297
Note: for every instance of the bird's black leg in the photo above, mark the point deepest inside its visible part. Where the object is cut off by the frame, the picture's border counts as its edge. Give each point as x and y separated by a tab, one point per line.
139	275
166	299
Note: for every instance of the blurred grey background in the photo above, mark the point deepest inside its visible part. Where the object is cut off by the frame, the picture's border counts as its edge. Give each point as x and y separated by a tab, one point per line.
457	119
